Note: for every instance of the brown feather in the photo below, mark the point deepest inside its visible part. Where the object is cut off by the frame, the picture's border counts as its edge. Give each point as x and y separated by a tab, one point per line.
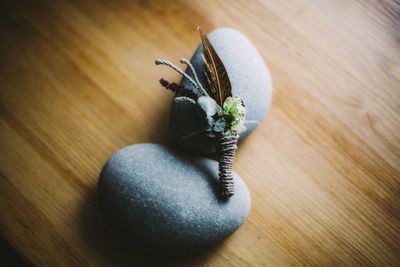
217	77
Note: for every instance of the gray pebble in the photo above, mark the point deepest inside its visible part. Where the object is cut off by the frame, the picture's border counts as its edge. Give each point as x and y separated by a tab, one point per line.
169	199
250	80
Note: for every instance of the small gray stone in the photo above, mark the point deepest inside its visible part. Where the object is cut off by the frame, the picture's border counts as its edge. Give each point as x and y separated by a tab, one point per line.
169	199
250	80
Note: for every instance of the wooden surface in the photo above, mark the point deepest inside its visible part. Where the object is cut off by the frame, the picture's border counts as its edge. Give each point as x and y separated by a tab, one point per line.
78	82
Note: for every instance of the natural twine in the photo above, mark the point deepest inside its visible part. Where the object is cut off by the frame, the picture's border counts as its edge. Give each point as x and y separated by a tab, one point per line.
226	148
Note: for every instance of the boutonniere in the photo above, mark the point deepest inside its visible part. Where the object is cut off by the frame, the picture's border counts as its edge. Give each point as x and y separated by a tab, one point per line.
220	113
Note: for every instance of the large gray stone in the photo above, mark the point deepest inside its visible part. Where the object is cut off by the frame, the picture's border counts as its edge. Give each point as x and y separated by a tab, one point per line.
250	80
168	199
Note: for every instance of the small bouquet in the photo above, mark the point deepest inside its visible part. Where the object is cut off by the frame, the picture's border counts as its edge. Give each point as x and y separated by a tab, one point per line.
221	114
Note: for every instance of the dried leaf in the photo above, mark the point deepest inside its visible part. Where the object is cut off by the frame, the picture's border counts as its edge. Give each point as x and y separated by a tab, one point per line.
215	72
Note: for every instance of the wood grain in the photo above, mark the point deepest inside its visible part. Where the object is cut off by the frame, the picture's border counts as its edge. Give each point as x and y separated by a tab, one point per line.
78	82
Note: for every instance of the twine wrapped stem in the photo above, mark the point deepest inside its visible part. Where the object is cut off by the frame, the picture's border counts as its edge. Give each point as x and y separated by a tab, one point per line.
226	148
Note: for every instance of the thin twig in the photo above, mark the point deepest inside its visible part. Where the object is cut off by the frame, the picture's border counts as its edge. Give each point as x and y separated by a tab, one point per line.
187	62
171	65
184	99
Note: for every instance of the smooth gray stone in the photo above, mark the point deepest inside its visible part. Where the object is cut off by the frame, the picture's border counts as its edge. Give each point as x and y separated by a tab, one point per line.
250	80
168	199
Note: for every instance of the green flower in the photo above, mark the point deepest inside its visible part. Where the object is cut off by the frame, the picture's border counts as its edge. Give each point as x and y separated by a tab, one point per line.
234	112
